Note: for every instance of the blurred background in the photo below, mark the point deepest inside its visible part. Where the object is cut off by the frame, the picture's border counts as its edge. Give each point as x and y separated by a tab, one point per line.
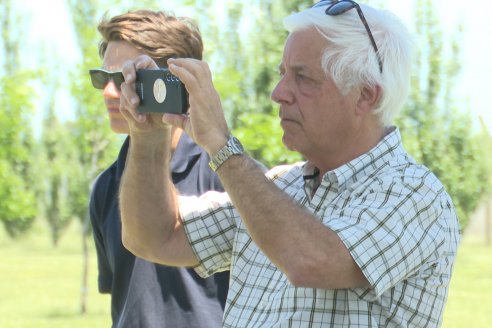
55	137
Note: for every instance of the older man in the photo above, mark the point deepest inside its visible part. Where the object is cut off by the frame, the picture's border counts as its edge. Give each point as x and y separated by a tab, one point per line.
359	235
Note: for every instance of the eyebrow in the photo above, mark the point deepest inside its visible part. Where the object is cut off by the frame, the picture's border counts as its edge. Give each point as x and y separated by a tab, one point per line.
296	68
110	69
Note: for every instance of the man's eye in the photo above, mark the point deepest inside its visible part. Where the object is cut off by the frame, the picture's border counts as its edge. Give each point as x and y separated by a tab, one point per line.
302	77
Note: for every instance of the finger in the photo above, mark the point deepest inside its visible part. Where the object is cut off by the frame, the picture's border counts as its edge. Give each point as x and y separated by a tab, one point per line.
179	121
190	71
194	66
128	69
129	101
145	62
125	109
185	75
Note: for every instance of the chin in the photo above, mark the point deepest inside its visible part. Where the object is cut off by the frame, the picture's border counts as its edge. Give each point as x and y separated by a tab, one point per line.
289	145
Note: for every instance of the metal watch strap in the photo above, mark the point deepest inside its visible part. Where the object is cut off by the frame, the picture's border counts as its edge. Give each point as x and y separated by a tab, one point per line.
232	147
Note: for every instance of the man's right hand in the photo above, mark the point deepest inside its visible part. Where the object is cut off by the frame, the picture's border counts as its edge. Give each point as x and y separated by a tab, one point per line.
149	124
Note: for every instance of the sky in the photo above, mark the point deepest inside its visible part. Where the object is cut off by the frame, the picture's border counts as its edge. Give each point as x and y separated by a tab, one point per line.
472	86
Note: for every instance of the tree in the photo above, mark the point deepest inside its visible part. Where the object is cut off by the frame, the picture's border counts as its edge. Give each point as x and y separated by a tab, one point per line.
436	132
55	157
92	137
97	145
17	201
245	50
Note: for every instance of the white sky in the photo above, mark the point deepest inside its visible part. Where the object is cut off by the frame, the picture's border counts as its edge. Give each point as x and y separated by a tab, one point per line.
49	21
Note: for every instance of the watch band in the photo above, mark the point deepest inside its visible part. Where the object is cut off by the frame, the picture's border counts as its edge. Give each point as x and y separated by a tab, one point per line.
232	147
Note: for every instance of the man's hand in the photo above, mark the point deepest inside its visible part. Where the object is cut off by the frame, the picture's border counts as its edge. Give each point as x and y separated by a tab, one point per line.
205	123
138	123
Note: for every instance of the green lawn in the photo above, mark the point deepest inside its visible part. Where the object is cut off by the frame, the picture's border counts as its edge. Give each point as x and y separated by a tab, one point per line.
470	296
40	285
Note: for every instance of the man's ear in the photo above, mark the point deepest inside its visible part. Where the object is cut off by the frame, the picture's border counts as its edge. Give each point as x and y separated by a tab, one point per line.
368	98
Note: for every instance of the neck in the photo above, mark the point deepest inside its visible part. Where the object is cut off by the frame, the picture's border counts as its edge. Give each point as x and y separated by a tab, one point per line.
360	143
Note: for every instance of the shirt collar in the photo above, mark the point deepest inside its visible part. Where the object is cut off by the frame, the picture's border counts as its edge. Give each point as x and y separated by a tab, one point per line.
120	162
365	164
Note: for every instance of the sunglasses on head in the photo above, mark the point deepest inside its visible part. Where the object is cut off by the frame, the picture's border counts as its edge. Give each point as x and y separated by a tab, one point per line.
101	77
338	7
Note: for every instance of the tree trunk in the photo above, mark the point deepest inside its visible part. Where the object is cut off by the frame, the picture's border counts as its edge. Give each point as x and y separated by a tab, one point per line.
85	266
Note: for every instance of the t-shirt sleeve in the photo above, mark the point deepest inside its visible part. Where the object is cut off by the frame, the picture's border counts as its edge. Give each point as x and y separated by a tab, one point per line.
210	222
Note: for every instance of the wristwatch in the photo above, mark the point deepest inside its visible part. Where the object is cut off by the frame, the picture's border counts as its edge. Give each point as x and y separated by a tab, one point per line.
232	147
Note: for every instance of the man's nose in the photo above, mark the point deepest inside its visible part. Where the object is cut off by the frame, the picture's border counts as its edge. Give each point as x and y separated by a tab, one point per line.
111	90
282	93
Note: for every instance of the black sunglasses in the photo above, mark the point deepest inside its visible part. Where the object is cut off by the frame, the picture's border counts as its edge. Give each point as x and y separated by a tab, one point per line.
338	7
101	77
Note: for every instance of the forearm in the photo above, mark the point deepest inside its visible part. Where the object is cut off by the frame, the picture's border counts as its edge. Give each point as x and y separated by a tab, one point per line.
147	197
310	254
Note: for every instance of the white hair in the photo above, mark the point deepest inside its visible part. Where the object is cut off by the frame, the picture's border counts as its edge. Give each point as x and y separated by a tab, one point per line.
350	58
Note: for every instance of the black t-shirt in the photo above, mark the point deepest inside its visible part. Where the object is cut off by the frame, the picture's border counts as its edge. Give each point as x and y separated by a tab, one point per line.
145	294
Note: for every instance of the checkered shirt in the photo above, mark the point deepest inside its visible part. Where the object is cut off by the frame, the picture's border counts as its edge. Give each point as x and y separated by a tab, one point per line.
393	215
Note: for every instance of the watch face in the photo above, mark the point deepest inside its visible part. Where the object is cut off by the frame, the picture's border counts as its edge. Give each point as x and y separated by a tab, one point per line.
236	144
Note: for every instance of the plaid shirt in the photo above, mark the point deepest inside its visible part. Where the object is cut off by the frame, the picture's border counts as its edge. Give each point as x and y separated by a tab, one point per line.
393	215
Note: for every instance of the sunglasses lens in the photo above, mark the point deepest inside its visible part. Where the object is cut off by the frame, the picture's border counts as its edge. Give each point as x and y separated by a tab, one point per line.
99	78
340	7
118	78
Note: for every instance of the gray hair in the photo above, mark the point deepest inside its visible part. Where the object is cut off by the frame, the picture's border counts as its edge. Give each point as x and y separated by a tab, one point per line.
350	59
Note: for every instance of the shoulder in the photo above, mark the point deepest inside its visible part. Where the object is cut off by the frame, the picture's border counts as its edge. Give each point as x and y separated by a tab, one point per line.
418	179
408	189
285	176
190	170
103	188
284	171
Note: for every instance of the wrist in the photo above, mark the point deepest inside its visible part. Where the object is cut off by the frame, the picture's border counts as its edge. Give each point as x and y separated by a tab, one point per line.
159	137
214	148
232	147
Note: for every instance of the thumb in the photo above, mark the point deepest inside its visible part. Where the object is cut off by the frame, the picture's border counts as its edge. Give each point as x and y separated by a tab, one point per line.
179	121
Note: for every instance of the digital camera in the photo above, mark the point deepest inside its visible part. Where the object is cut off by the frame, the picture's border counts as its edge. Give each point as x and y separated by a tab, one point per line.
160	92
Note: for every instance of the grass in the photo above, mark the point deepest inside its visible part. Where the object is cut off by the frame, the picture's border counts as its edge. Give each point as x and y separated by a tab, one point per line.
40	284
470	295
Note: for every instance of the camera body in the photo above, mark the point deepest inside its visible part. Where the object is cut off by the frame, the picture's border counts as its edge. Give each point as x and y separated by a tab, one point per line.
160	92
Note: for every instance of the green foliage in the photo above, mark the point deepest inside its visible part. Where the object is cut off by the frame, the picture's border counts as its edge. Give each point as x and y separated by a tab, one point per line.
435	131
91	135
263	135
258	123
17	204
17	201
486	142
56	157
244	64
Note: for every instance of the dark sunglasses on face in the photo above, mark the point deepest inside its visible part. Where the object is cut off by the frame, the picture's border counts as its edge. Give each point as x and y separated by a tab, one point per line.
338	7
101	77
